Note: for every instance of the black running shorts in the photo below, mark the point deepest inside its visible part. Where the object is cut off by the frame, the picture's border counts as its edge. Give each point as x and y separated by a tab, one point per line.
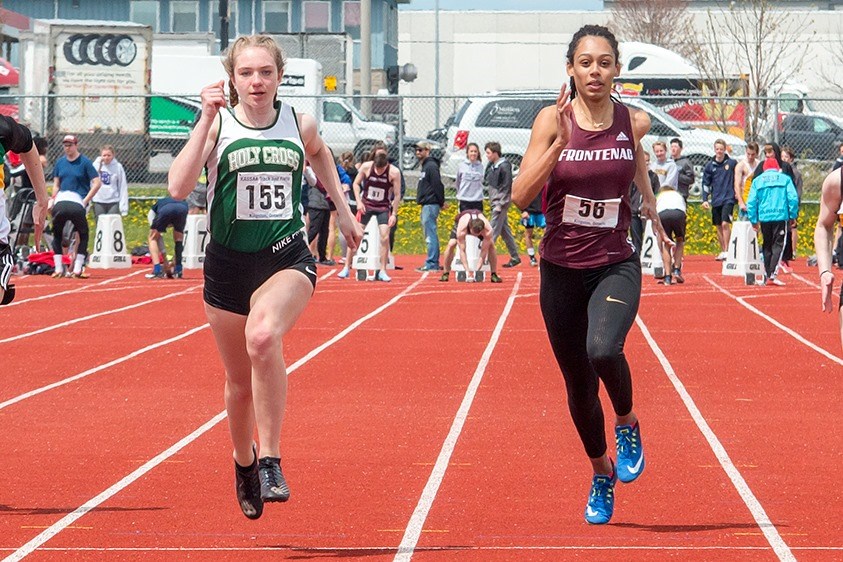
722	213
673	223
231	277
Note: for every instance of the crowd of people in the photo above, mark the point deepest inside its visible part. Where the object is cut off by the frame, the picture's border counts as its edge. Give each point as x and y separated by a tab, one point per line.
274	195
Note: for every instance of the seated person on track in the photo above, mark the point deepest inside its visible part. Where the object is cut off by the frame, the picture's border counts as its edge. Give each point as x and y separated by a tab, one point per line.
471	222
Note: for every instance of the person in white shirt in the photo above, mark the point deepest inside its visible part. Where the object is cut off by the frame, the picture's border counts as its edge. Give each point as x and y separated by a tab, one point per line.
666	169
113	196
672	211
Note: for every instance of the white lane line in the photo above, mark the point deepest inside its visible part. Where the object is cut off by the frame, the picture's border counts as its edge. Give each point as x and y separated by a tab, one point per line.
327	275
97	315
416	523
99	368
91	504
70	291
383	549
776	323
755	508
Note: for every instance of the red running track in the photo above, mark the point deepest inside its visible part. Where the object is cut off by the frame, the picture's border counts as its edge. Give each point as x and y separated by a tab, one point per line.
448	388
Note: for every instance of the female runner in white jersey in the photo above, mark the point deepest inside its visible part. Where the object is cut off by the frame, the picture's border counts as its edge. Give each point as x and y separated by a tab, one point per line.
259	274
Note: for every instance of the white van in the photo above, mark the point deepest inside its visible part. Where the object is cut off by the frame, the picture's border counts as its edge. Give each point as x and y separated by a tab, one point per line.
507	118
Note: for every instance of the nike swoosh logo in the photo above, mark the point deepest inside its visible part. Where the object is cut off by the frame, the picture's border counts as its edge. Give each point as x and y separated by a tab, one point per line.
610	299
307	269
590	512
634	469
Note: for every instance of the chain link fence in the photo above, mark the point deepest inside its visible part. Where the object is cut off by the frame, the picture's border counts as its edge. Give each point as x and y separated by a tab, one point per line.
147	132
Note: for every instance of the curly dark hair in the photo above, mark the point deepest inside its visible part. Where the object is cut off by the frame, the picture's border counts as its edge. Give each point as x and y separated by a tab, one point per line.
590	31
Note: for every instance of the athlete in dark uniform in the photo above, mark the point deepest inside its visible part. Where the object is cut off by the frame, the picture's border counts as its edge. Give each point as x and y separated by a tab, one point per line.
377	190
830	204
588	150
17	138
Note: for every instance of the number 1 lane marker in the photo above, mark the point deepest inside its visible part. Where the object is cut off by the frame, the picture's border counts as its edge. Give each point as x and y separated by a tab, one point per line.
416	523
91	504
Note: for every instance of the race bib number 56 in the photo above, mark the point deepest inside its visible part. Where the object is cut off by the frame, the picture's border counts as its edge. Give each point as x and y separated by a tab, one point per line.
264	196
591	212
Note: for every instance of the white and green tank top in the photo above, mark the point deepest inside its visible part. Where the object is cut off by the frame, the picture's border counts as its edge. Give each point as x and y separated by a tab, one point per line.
254	182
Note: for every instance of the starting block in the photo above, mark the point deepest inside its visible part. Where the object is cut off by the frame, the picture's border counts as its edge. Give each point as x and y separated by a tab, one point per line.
651	254
195	239
367	260
473	246
110	244
744	257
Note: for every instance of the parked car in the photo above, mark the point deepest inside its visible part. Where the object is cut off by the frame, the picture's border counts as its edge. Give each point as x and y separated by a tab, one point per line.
812	137
507	118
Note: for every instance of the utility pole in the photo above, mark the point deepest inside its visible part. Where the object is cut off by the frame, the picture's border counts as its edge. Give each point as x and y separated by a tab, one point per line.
366	55
436	62
223	25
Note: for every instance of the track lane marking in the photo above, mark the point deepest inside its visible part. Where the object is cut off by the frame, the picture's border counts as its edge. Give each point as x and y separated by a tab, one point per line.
741	301
755	508
92	503
97	315
70	291
98	368
416	523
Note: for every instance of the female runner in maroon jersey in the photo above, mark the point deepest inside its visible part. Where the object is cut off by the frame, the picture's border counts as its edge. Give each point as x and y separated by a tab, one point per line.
587	148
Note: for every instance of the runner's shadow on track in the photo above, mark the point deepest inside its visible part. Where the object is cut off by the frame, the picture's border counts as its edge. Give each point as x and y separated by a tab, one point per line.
689	528
66	510
306	553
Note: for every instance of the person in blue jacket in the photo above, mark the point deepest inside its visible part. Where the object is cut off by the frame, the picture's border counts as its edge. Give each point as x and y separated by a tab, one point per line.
772	203
718	183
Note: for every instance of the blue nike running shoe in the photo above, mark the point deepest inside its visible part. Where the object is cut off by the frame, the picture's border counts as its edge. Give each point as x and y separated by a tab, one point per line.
630	452
601	499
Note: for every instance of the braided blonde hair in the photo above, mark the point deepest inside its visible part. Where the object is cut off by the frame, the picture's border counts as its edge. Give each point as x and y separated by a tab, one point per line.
244	42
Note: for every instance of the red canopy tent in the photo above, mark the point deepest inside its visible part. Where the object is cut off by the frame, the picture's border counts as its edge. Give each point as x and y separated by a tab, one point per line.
9	76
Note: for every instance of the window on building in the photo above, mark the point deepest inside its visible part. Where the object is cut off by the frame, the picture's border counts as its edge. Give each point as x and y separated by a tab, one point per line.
145	12
184	16
351	18
276	17
232	19
316	16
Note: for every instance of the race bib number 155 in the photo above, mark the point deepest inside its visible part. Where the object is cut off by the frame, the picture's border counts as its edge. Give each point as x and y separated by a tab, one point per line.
591	212
264	196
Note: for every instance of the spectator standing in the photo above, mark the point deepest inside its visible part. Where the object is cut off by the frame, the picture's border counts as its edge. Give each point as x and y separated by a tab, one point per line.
113	195
319	212
430	194
831	200
498	177
788	157
75	183
469	180
532	217
197	201
166	213
684	167
331	239
636	225
744	172
664	167
718	184
839	162
772	203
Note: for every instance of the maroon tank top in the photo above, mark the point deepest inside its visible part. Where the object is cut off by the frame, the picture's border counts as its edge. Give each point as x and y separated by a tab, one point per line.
587	197
376	190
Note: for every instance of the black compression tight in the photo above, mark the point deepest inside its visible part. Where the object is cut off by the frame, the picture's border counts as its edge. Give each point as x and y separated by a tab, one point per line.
588	314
